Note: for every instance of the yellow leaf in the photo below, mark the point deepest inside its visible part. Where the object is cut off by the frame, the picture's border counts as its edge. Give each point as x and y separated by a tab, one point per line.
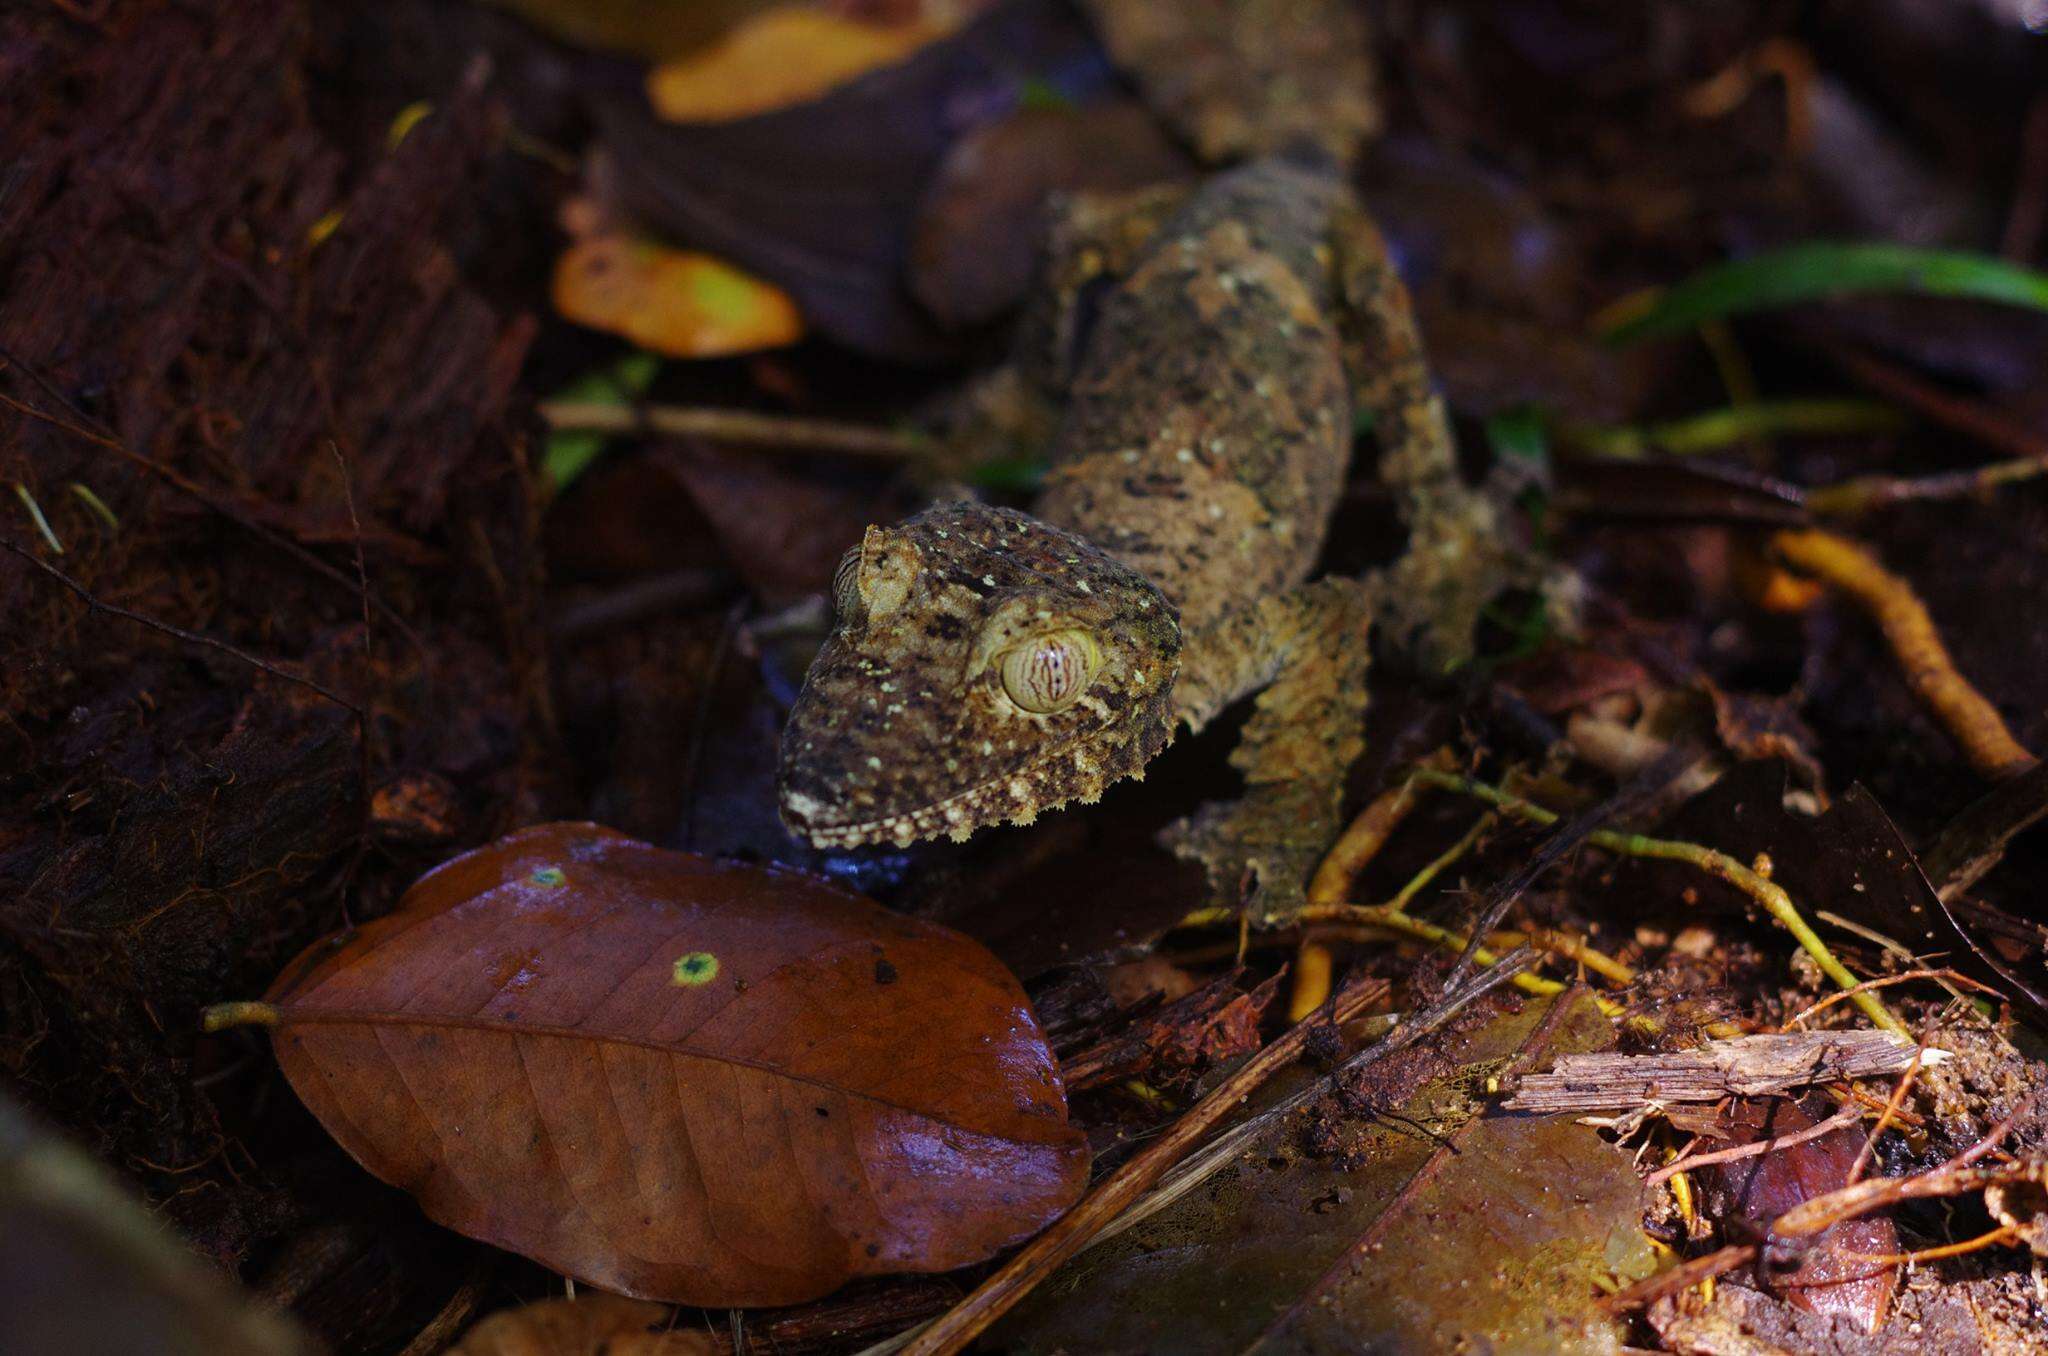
675	302
783	56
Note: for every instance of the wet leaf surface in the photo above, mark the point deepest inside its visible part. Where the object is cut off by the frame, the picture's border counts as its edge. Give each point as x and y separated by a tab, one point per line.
1505	1249
680	1079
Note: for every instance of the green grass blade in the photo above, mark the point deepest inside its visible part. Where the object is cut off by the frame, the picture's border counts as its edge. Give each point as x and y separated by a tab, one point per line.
1819	270
568	455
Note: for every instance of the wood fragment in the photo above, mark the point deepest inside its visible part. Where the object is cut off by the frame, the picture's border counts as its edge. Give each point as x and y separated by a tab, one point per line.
1752	1066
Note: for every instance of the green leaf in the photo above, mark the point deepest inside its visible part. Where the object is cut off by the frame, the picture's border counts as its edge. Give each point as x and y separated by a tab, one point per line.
1818	270
1019	475
1733	425
1520	435
568	455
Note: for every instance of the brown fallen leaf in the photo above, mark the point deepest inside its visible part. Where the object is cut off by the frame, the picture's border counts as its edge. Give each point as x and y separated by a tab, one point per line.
590	1325
678	302
677	1078
1833	1274
779	57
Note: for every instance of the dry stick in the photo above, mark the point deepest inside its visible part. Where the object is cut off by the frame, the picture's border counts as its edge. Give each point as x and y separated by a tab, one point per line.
1771	896
1891	1106
1680	1278
1044	1254
1930	672
1812	1216
769	431
1939	406
1751	1150
1903	977
99	605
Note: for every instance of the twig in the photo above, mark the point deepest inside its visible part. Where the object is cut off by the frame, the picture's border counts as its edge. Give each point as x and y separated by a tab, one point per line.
1905	977
1751	1150
193	637
1563	839
1952	1178
1680	1278
1940	406
1750	1066
1771	896
1891	1107
1312	964
1861	494
1211	1157
1363	838
1930	672
2004	1233
1044	1254
768	431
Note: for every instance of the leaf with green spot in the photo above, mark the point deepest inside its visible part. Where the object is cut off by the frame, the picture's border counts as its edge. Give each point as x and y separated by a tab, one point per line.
679	1078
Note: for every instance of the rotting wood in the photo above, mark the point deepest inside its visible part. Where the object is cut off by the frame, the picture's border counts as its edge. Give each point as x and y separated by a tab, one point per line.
1752	1066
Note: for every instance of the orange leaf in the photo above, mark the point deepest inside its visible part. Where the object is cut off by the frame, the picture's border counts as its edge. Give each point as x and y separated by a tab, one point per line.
682	1079
671	301
783	56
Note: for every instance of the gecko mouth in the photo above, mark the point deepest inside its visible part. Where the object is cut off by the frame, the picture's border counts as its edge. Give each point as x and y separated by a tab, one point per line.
1077	770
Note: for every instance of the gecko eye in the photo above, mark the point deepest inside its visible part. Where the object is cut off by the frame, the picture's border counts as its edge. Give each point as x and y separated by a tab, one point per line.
1048	673
846	588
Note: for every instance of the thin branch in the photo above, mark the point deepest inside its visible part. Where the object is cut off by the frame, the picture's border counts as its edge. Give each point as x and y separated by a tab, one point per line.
770	432
192	637
1751	1150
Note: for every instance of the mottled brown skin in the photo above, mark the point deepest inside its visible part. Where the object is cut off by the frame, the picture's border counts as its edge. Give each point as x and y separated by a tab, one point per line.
1163	575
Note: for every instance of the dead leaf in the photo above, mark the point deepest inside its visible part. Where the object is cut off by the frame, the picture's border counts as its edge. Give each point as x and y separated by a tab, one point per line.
786	55
590	1325
1500	1247
682	1079
678	302
1832	1274
821	198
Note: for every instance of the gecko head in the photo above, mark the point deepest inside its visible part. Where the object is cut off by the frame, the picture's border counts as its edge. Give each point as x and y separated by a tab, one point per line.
983	667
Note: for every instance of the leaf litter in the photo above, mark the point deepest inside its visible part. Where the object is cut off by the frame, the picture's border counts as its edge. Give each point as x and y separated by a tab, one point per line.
1536	168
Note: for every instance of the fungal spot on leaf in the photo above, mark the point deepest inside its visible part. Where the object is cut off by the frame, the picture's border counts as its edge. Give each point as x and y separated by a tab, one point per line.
699	967
885	973
549	876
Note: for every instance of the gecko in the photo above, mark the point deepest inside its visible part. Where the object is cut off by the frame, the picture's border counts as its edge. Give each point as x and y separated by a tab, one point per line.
986	665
